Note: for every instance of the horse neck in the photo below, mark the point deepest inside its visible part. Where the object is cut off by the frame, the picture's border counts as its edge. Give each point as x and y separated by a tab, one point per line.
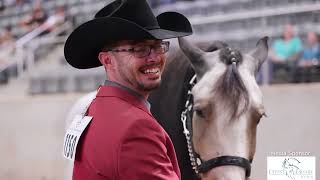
225	173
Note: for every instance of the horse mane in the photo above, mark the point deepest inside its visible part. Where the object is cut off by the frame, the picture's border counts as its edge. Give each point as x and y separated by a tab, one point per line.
230	86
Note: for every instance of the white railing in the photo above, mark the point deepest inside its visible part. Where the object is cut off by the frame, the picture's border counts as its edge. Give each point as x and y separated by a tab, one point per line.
34	46
21	52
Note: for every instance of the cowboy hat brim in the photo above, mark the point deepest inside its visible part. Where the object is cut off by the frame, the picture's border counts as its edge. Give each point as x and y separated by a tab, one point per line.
85	42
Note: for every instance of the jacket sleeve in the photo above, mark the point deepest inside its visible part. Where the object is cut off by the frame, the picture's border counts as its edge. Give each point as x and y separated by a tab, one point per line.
143	153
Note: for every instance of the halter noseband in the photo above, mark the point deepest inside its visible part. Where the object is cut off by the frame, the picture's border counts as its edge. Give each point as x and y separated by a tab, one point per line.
197	163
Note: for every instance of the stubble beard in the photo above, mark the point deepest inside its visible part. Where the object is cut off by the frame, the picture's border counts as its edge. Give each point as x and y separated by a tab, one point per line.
148	88
138	84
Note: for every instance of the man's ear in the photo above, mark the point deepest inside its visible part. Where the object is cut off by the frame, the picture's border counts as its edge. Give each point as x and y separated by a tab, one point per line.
104	58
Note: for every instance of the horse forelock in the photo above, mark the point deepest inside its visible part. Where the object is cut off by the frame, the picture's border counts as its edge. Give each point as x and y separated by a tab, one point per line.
230	86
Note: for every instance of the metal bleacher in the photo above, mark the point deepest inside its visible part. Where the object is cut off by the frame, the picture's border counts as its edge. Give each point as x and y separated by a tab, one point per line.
41	57
80	10
238	22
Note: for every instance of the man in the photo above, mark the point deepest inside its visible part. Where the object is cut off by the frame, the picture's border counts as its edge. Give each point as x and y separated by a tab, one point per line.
123	140
285	52
309	60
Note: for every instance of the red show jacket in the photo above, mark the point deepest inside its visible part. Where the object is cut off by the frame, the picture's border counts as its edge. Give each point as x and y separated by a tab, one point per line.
123	141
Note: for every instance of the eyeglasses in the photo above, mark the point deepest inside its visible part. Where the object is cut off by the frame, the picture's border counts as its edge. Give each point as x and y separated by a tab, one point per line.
141	51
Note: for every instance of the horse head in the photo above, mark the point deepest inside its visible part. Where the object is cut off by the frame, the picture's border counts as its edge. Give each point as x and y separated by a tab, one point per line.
227	108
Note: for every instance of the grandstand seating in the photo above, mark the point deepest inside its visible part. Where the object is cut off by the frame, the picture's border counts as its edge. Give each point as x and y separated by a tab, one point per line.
81	11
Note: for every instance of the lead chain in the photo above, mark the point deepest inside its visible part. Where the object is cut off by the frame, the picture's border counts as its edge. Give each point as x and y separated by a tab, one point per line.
188	108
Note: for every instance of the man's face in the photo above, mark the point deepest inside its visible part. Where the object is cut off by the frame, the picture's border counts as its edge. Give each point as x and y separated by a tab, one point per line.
288	31
312	38
141	74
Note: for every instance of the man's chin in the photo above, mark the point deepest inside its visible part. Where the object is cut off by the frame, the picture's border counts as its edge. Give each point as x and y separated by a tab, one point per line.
149	87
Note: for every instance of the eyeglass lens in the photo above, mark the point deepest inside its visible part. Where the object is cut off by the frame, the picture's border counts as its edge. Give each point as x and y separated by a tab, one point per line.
143	51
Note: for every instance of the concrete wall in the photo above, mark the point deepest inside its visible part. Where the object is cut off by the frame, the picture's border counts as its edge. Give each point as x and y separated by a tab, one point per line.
292	125
31	136
32	130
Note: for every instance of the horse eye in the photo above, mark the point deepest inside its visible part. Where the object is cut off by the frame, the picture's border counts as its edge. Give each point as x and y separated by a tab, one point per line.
199	113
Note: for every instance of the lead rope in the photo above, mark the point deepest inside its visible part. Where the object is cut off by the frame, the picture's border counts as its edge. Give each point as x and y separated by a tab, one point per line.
186	132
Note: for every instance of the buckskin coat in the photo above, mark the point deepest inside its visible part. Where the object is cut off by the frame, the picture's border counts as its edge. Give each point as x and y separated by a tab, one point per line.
123	141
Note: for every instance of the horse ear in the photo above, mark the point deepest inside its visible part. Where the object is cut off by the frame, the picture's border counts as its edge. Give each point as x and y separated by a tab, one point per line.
260	53
194	54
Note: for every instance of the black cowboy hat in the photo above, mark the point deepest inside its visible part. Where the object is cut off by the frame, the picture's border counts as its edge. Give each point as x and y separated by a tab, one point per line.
121	20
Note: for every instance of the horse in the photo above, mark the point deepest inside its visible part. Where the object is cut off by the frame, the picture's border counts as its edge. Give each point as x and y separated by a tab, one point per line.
227	107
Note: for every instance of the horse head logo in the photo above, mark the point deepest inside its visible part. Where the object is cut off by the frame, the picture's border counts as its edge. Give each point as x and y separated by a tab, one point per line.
290	166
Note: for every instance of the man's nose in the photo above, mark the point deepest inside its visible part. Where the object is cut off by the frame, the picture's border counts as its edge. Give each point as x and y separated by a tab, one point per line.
153	56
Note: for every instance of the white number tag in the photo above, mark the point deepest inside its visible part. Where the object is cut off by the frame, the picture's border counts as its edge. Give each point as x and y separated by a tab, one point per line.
73	134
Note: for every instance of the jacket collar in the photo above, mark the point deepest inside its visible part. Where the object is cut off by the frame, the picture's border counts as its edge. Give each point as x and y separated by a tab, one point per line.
116	91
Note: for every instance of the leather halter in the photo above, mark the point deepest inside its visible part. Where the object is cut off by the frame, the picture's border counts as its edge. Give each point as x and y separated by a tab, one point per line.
197	163
205	166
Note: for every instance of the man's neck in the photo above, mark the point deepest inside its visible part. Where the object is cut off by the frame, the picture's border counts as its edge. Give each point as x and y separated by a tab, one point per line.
143	95
131	91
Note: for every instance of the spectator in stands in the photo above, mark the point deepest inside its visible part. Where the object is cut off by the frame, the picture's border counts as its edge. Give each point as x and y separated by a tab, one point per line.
6	37
55	20
6	41
310	58
38	17
20	3
2	5
285	52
